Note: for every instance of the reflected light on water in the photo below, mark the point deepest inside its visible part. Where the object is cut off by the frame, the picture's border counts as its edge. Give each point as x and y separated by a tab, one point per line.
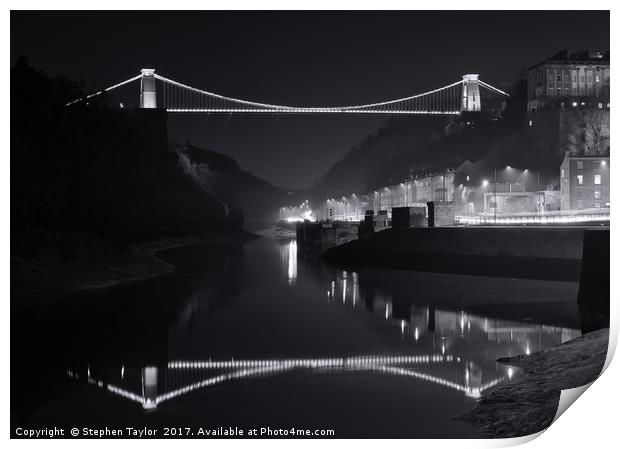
442	370
292	262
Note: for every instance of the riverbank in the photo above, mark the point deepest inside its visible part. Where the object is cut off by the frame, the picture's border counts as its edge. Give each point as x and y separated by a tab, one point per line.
49	265
529	403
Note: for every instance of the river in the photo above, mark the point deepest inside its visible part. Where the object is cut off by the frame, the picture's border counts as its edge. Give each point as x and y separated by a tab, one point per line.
253	336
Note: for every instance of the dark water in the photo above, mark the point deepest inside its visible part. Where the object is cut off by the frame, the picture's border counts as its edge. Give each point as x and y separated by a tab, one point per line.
254	336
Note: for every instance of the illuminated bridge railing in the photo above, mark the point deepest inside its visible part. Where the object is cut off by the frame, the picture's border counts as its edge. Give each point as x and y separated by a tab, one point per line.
157	91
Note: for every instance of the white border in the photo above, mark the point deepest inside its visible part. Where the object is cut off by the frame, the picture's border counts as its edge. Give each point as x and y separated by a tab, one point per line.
591	422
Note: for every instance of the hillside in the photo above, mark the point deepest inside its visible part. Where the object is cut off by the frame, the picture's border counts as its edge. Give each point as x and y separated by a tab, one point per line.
422	145
258	199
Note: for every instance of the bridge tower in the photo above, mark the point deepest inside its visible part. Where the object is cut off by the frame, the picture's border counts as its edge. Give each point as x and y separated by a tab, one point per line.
148	92
471	94
149	387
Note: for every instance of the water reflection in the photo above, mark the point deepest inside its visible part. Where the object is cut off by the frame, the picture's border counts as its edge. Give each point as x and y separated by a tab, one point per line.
184	377
445	327
416	338
288	260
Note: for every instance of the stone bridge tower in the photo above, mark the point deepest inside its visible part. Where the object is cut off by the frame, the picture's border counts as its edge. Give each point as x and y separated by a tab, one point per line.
148	92
471	94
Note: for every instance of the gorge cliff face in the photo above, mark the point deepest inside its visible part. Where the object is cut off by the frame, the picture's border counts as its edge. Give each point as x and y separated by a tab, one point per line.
95	168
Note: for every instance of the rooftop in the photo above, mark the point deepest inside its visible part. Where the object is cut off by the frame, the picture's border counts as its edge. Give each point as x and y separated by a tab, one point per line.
587	56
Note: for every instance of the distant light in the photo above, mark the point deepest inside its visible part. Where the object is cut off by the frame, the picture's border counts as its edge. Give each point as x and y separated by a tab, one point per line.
526	171
485	183
508	167
574	104
121	105
603	163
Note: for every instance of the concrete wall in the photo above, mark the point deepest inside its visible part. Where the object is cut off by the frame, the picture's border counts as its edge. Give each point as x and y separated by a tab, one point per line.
528	252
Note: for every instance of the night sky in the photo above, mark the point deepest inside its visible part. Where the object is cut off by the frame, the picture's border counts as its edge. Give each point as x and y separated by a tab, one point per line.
298	58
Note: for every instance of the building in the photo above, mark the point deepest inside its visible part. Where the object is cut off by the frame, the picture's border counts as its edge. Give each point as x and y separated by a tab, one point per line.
569	79
435	187
415	191
568	104
584	182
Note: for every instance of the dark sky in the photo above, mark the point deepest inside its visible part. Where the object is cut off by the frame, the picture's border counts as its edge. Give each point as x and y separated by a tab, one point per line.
298	58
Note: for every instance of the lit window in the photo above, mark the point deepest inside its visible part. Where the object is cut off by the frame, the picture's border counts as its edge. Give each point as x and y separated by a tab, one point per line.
600	105
597	179
563	173
580	180
531	123
597	195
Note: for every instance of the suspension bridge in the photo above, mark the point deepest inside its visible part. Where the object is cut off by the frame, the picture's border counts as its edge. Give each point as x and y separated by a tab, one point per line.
183	377
157	91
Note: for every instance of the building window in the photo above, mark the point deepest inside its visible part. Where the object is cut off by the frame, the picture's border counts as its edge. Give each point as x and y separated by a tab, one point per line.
563	174
600	105
597	179
531	122
597	195
580	180
559	78
597	204
579	165
579	195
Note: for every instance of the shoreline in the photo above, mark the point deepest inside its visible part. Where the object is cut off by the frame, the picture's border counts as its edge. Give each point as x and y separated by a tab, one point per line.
528	404
47	280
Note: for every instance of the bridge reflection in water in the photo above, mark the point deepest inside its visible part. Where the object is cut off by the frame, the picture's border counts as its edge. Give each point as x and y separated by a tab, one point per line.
448	347
183	377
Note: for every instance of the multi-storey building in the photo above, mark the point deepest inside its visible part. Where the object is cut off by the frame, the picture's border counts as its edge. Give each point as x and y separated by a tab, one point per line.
568	104
584	182
569	80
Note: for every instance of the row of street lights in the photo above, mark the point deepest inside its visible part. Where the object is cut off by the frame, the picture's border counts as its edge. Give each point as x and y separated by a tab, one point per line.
485	183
